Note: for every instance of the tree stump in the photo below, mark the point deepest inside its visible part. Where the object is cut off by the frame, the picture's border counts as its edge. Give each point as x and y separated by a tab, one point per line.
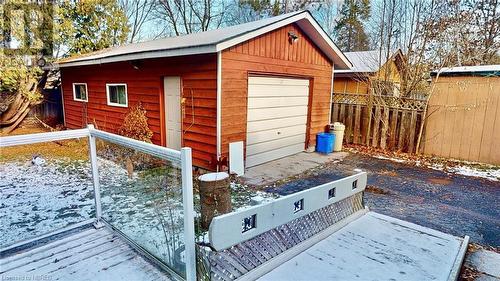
215	195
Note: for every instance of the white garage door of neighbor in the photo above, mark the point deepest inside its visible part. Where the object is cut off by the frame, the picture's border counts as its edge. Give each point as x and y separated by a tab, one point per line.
276	118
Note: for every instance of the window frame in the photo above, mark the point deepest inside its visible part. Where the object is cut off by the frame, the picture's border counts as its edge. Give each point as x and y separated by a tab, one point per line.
86	92
108	97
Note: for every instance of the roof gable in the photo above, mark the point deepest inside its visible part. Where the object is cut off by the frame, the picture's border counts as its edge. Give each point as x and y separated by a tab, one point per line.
214	41
368	61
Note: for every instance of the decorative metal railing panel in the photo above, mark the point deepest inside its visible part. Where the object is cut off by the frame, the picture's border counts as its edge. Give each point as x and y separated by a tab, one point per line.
238	260
242	241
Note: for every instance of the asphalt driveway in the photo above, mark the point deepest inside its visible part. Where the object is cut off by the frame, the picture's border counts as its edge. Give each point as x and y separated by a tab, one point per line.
455	204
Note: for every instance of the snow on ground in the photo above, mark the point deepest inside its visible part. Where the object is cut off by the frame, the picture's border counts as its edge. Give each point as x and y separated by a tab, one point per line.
38	199
390	158
469	169
146	206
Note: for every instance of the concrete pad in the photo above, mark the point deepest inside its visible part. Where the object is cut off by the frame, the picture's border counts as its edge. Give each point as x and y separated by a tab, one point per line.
289	166
485	261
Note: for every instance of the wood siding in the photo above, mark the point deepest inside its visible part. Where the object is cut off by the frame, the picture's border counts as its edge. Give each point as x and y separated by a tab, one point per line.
359	83
199	83
272	54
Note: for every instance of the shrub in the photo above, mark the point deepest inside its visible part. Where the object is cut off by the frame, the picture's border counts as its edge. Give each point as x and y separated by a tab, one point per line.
135	125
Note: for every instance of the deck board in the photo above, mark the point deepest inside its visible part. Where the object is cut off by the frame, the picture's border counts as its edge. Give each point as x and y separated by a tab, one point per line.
88	255
374	247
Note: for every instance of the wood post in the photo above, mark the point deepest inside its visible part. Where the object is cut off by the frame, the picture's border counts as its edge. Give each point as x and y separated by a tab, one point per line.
215	195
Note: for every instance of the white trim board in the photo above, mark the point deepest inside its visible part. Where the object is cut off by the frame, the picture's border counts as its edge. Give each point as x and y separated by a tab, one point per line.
219	106
114	103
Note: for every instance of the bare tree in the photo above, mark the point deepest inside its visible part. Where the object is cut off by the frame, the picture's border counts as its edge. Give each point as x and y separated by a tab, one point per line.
139	13
190	16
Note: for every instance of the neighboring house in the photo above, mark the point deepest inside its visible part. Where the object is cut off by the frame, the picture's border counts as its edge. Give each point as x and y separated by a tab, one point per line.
463	115
369	72
267	83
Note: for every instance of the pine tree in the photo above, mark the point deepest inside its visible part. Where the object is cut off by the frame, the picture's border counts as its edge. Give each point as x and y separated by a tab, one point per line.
350	32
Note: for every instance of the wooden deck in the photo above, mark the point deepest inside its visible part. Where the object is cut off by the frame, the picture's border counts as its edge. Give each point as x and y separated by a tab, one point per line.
87	255
376	247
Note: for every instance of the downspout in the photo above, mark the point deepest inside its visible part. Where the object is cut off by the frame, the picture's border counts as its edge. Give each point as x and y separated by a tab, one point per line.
62	100
219	107
331	98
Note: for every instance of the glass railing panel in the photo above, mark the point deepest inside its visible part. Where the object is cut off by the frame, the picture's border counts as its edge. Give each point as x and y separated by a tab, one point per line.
44	187
141	196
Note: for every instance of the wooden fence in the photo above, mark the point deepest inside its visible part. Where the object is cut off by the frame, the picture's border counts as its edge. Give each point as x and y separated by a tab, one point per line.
463	119
379	121
50	108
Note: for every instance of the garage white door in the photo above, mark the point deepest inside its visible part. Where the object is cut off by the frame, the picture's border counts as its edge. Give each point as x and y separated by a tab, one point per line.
277	118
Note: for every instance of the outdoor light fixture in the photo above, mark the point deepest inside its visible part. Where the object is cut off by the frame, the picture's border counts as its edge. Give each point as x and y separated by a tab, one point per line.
292	37
136	64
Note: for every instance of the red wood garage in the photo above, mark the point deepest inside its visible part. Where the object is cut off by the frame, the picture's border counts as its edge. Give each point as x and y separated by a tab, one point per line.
267	83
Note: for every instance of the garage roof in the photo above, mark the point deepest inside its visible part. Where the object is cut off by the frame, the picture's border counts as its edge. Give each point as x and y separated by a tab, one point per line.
214	41
478	70
367	61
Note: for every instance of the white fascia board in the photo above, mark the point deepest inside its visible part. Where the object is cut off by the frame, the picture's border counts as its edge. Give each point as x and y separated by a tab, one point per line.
143	55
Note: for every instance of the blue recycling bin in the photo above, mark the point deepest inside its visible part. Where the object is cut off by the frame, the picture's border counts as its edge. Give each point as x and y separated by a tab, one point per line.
324	142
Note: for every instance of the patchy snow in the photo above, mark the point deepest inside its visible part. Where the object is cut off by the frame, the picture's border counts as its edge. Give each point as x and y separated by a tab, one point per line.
147	207
36	199
488	173
390	158
465	168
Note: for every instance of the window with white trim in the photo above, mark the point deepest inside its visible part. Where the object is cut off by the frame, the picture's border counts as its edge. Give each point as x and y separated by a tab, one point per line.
117	94
80	92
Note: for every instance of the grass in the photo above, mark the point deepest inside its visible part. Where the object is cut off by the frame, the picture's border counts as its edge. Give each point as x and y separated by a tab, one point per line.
74	149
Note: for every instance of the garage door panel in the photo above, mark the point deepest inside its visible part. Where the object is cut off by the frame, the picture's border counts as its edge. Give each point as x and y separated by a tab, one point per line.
256	114
275	144
273	91
267	102
263	125
273	155
276	118
266	80
269	135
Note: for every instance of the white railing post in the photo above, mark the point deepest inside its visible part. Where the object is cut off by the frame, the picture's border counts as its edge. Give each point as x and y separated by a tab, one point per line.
187	202
95	177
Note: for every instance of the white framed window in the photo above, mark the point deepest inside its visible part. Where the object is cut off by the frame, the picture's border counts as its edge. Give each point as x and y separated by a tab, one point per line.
117	94
80	92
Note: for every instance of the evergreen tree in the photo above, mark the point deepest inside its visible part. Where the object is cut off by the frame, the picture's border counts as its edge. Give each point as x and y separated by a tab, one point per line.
91	25
350	33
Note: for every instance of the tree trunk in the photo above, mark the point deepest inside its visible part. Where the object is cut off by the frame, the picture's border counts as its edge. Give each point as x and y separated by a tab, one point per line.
19	112
13	108
18	121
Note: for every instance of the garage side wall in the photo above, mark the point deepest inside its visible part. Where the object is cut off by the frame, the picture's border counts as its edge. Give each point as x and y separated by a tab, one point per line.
272	54
145	85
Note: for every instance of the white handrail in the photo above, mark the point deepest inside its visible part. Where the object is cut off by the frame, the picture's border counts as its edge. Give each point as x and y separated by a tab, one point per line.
149	148
43	137
228	230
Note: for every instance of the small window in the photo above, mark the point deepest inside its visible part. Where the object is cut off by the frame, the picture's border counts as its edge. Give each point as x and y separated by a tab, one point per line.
355	184
117	94
80	92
